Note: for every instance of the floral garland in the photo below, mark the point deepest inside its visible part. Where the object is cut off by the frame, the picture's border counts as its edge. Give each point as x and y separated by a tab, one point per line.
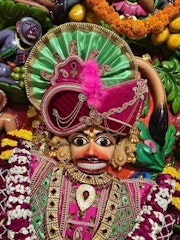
134	28
176	175
18	207
152	222
11	140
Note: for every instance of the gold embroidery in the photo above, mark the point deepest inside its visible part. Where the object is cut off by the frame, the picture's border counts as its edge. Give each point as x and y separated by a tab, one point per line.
101	180
55	192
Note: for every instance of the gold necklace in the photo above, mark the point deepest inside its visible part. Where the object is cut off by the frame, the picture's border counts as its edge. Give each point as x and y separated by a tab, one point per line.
100	180
19	45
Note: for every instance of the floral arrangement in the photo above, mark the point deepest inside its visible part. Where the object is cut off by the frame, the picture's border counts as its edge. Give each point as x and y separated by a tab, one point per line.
11	140
134	28
152	223
176	175
18	209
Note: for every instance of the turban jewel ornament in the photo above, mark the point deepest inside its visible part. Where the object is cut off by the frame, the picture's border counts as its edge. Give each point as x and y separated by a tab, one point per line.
81	74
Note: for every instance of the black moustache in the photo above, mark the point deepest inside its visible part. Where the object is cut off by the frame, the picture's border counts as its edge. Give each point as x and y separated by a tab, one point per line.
94	159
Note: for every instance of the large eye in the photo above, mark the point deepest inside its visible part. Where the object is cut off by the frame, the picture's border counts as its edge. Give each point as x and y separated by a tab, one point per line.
79	141
104	141
27	24
36	28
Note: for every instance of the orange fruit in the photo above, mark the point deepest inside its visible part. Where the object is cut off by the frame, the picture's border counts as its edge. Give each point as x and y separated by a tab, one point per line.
158	39
173	41
174	26
77	13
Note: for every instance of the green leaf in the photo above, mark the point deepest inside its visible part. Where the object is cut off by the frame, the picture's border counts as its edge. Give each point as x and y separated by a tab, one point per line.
145	158
176	105
144	132
20	10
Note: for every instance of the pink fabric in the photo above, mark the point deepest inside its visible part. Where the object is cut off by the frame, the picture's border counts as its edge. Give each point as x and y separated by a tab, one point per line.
144	190
78	222
64	100
64	73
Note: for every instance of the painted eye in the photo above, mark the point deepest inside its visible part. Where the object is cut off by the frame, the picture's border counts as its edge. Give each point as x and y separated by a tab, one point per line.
79	141
36	28
27	24
104	141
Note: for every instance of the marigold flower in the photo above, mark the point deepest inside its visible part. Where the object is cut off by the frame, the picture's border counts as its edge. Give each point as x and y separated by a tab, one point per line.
152	24
6	154
176	202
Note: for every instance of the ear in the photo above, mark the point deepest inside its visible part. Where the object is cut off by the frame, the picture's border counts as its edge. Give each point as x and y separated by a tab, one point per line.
158	123
3	99
18	25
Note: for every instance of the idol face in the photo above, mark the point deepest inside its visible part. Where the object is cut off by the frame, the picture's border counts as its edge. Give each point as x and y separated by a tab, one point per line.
92	150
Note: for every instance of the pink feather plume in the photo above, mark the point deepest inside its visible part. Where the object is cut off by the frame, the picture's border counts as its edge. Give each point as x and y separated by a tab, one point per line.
91	82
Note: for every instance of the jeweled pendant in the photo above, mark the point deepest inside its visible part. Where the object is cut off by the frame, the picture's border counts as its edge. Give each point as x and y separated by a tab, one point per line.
85	196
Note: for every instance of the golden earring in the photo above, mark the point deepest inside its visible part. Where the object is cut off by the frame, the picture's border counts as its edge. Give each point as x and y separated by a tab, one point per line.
124	153
125	149
60	149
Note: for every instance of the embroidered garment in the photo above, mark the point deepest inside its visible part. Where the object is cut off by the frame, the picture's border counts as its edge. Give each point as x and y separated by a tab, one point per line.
55	208
59	194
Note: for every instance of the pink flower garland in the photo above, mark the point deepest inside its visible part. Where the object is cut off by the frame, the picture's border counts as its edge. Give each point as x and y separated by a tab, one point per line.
18	192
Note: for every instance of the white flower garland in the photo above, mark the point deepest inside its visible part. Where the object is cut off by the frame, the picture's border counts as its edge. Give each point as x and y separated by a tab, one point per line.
18	190
152	219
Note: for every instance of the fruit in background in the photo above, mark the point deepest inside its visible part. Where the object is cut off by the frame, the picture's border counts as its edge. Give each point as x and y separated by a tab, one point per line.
18	74
77	13
174	26
170	35
173	41
91	17
158	39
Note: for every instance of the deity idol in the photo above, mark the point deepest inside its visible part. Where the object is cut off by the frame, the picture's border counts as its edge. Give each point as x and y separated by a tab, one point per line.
90	90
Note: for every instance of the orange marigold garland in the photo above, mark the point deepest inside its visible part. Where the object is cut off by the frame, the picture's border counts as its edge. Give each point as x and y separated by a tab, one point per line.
134	28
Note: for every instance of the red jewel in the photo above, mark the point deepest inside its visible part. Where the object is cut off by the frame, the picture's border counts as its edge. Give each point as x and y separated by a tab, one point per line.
91	130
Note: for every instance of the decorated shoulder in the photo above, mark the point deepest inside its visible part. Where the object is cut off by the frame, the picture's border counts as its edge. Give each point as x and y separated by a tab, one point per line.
40	165
155	216
139	188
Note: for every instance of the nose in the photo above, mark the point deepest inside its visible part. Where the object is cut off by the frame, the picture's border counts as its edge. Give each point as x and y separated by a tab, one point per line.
91	150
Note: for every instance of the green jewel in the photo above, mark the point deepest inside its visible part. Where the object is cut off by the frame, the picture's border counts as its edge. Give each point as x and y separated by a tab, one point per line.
32	199
43	200
131	223
122	213
124	227
45	183
114	230
39	191
128	211
35	208
125	200
123	190
37	221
